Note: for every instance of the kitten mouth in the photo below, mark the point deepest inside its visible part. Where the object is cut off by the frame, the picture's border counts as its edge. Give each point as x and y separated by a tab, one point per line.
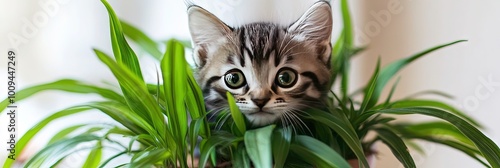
261	113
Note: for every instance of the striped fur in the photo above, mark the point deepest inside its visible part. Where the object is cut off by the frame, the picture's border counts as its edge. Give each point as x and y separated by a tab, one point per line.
260	51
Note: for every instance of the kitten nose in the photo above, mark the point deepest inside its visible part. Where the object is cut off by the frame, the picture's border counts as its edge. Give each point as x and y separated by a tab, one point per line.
260	102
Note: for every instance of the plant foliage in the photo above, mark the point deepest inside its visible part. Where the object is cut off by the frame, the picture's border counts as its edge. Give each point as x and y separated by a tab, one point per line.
165	122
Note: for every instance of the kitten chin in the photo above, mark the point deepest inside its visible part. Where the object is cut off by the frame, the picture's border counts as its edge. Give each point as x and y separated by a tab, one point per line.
273	71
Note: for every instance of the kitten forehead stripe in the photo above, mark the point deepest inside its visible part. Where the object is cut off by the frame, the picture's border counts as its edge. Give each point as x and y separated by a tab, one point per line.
211	80
314	79
230	60
242	48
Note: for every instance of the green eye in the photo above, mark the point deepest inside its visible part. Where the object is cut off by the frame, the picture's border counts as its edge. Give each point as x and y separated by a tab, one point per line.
286	78
234	79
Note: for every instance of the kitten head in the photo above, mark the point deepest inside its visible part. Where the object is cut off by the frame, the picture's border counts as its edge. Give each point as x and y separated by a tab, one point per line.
273	71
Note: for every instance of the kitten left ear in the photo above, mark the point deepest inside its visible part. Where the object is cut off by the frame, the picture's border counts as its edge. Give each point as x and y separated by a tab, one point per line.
316	25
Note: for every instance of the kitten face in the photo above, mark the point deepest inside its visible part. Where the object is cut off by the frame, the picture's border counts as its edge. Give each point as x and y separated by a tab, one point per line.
272	71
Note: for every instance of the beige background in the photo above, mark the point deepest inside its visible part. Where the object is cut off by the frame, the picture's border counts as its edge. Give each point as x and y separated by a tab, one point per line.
61	48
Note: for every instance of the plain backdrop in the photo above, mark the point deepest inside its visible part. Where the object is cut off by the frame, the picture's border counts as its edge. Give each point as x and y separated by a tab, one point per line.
60	46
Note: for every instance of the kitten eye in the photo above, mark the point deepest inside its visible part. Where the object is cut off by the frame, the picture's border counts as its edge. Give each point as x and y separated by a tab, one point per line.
234	79
286	78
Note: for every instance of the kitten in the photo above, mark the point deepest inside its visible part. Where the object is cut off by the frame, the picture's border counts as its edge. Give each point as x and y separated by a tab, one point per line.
273	71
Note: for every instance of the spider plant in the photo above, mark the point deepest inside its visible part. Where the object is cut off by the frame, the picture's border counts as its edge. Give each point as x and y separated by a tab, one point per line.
164	121
153	118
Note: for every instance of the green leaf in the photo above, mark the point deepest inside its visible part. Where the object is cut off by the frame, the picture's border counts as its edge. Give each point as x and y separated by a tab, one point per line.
390	70
123	115
258	146
317	153
67	85
122	51
35	129
52	154
440	129
175	86
397	146
337	58
281	141
393	89
174	73
347	30
65	132
238	117
213	141
193	135
430	92
487	147
94	157
138	98
341	125
148	158
431	136
111	158
196	104
371	88
240	158
436	104
146	43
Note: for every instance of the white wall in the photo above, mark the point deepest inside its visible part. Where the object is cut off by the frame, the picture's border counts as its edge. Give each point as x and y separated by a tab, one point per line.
457	70
61	48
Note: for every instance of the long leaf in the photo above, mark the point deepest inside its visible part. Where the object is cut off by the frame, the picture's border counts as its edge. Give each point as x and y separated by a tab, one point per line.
258	146
467	148
390	70
347	30
281	141
63	133
150	157
397	146
487	147
238	117
173	67
122	51
370	88
343	128
67	85
35	129
138	97
52	154
111	158
94	157
210	145
436	104
440	129
317	153
123	115
196	104
240	158
145	42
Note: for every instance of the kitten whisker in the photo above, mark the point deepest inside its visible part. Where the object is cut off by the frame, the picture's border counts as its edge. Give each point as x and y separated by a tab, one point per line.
300	121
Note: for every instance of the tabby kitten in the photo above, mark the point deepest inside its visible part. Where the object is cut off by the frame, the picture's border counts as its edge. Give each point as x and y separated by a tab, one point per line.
273	71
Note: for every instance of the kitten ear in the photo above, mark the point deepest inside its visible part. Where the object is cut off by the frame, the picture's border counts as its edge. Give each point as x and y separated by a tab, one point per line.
316	23
205	27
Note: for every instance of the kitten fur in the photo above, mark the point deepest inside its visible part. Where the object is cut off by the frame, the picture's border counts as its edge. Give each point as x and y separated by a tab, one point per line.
262	52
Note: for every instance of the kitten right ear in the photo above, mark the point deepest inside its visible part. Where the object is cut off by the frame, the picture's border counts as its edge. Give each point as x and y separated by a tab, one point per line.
205	27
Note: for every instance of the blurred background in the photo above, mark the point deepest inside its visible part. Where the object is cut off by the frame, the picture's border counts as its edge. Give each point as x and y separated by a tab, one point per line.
54	40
